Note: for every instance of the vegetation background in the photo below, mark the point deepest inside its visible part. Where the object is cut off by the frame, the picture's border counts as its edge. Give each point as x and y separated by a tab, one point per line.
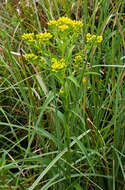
36	151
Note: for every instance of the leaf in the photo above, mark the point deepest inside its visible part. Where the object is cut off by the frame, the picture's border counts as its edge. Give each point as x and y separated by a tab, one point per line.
84	151
42	85
54	161
73	79
92	73
78	187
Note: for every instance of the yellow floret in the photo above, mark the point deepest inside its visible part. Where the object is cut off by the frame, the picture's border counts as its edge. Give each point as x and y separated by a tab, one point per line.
78	58
77	24
53	60
88	35
89	38
63	27
99	39
57	65
84	81
43	61
64	23
31	56
29	37
61	91
64	20
42	37
52	23
93	38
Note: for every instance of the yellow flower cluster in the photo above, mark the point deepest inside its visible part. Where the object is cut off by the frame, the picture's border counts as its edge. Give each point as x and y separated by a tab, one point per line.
52	23
84	81
63	27
93	38
31	56
57	65
28	37
64	20
77	24
61	91
63	23
42	61
99	39
42	37
78	58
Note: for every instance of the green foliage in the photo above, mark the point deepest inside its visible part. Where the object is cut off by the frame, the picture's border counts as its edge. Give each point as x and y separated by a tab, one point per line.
62	95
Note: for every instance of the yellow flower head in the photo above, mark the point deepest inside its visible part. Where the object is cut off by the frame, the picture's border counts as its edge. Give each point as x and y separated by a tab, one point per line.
88	35
63	27
77	24
90	38
89	87
93	39
84	81
29	37
78	58
57	65
61	91
30	56
64	20
43	37
43	61
64	23
99	39
52	23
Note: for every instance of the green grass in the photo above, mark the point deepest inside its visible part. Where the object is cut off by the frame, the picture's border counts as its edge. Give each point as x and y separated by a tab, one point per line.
48	141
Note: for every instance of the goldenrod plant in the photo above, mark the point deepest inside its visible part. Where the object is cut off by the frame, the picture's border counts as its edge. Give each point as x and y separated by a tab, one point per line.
62	113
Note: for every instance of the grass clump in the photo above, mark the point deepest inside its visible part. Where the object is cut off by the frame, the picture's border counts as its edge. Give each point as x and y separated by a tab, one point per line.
62	95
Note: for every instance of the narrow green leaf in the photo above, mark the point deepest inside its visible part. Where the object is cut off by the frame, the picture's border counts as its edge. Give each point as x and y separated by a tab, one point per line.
53	162
84	151
73	79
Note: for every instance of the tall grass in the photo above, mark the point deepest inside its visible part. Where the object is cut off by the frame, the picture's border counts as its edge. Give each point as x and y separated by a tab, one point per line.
42	144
